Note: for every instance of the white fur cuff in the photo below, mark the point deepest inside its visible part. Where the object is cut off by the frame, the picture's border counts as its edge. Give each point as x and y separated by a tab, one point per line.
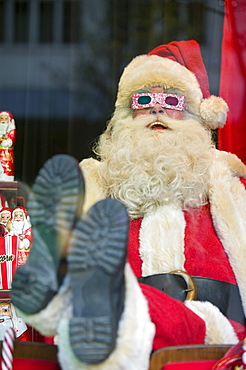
218	328
135	335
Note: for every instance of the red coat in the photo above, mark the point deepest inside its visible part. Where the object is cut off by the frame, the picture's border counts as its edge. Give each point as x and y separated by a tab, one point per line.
204	256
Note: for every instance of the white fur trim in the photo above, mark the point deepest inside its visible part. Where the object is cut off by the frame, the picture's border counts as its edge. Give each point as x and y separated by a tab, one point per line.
94	190
149	70
46	321
228	207
237	167
162	241
218	328
134	342
213	112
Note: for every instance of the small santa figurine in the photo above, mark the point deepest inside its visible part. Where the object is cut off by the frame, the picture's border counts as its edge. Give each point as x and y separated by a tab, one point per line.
21	227
7	142
9	318
5	220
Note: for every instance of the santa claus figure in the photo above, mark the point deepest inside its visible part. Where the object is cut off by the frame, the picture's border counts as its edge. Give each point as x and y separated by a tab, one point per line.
181	279
5	220
7	142
22	228
8	318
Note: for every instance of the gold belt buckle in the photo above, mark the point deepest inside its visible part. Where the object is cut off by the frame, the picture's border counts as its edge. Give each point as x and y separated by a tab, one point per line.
192	288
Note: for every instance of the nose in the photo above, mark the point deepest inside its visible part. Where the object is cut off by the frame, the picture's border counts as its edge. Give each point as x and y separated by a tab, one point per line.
157	109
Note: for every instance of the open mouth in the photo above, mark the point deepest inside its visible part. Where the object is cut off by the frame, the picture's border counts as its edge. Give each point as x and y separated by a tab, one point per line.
156	126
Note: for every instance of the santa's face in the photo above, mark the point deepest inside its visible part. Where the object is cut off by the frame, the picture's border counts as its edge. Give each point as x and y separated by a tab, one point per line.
4	118
158	109
4	123
18	222
5	309
18	216
150	160
4	218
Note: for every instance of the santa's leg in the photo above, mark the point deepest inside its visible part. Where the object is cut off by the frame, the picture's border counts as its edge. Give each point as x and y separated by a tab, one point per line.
107	325
54	205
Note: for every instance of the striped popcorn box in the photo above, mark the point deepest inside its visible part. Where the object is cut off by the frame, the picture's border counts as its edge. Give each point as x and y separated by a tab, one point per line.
8	260
8	349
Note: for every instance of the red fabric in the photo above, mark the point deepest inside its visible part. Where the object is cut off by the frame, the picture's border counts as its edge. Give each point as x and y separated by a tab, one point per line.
3	201
239	329
233	78
49	340
188	54
7	153
7	160
26	336
37	337
175	324
204	256
133	247
201	244
11	135
190	365
203	250
26	364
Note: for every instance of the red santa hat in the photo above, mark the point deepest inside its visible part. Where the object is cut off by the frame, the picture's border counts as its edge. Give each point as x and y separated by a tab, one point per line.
4	112
6	210
18	209
176	65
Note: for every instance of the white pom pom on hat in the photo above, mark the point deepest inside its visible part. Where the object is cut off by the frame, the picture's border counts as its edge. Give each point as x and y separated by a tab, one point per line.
213	111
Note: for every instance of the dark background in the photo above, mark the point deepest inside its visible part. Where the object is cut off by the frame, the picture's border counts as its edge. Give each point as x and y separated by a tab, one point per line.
61	62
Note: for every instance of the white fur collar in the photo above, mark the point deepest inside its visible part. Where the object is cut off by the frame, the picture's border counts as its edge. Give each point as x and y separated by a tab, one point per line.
228	207
162	241
162	234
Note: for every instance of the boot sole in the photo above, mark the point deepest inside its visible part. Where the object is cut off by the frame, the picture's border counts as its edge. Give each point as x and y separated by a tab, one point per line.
54	205
96	263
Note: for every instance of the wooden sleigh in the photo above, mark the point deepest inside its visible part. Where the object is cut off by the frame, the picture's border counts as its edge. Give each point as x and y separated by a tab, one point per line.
35	355
191	357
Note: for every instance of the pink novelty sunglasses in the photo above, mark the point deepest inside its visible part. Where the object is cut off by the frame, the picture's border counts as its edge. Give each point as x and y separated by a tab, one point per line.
146	100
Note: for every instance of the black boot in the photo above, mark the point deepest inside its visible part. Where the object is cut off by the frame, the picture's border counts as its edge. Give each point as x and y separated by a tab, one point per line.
55	204
96	261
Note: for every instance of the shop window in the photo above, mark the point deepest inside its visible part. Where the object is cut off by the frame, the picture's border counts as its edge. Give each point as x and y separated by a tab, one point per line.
2	20
184	20
196	16
46	20
71	21
21	21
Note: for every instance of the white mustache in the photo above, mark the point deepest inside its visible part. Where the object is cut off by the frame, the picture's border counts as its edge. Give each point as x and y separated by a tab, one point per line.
148	120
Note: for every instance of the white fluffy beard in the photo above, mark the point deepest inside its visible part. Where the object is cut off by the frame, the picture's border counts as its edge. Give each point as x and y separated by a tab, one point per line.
18	226
146	169
4	325
3	128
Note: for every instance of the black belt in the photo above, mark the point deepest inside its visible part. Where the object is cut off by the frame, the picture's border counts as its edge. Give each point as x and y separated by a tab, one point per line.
224	295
